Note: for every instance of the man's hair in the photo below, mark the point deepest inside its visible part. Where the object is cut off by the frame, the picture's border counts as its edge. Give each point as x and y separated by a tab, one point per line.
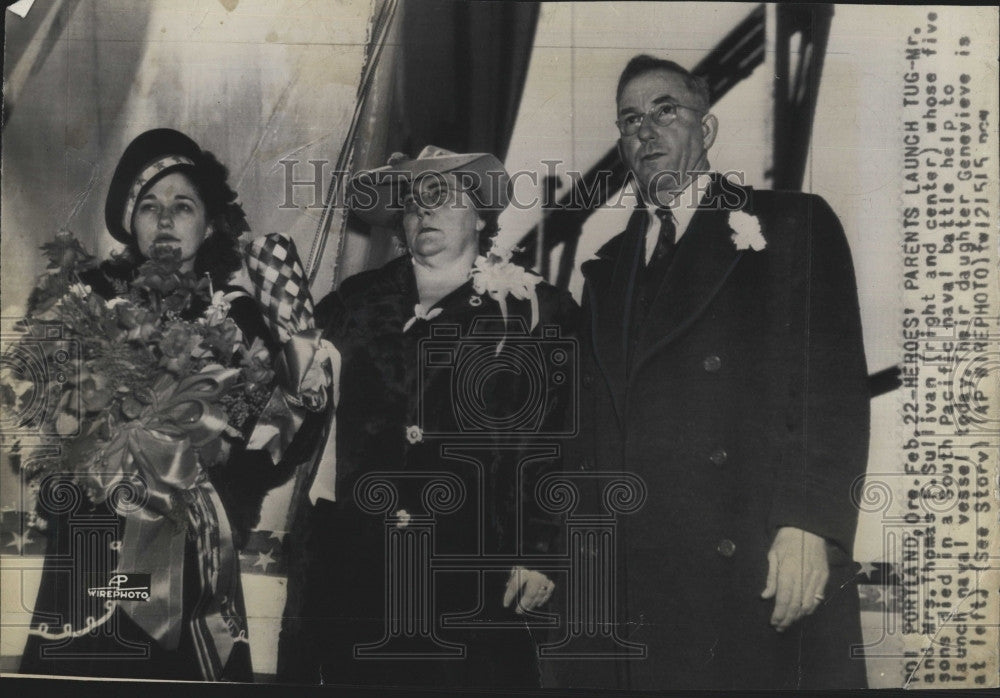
644	63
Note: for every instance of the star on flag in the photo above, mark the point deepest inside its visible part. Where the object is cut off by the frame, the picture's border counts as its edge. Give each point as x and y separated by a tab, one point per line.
19	541
868	569
264	559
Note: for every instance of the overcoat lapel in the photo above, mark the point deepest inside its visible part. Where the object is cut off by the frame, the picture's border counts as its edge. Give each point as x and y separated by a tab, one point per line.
704	259
610	284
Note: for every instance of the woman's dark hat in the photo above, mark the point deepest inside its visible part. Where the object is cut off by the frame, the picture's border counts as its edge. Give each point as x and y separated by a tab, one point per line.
149	157
376	195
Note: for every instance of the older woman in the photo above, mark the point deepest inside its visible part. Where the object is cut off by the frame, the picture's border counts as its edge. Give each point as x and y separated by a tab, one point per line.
165	192
446	376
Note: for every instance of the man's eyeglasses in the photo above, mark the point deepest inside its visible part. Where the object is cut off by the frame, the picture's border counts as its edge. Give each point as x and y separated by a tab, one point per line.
661	114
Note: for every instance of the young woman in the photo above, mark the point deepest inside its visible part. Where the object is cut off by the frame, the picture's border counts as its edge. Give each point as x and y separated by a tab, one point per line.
168	192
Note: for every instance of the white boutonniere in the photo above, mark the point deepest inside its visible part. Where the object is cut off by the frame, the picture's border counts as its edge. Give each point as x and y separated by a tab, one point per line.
495	275
746	231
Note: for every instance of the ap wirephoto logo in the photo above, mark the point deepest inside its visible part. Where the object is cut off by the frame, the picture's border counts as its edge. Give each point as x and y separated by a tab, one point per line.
123	587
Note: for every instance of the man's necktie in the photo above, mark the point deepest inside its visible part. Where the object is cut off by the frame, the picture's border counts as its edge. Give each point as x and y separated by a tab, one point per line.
667	236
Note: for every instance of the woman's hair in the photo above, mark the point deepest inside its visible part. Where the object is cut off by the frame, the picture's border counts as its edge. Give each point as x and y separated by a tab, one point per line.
490	230
219	255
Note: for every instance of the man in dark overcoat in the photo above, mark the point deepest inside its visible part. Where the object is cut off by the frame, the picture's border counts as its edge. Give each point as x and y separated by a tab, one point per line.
725	368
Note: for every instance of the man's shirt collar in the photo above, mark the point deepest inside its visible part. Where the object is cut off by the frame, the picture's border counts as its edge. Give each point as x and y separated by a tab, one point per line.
682	207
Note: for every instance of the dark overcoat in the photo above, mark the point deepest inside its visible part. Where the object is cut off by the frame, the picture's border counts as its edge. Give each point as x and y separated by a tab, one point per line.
425	401
741	402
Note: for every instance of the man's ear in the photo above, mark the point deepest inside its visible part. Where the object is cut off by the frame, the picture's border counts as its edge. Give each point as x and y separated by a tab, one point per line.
480	223
709	130
209	231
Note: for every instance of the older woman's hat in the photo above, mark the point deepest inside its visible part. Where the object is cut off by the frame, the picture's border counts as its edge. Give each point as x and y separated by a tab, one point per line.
149	157
377	195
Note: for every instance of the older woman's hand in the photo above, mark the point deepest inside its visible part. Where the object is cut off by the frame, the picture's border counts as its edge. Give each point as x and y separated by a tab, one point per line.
533	587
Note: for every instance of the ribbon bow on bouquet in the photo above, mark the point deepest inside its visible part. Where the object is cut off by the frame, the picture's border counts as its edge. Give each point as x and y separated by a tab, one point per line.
308	364
158	454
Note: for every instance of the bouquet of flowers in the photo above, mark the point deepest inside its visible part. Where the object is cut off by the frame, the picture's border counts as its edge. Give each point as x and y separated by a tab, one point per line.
142	412
146	381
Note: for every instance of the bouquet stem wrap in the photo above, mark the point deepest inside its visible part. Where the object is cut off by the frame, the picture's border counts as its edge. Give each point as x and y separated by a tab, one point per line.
159	450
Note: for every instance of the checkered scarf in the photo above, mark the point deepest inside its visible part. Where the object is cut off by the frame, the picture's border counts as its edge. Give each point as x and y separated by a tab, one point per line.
280	285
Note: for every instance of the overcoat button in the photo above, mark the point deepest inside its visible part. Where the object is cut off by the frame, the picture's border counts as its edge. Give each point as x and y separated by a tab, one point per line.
588	380
719	456
725	547
712	363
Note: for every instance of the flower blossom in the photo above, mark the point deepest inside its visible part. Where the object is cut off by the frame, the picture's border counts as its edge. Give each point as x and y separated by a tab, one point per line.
80	291
414	434
495	275
746	231
218	310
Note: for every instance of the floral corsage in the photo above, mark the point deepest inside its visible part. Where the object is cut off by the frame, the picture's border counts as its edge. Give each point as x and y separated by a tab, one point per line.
495	275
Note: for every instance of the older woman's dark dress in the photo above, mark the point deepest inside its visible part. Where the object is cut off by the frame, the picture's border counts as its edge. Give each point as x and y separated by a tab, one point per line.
77	556
392	380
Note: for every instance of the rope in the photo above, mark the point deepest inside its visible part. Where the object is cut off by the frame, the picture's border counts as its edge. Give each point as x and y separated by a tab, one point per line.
379	30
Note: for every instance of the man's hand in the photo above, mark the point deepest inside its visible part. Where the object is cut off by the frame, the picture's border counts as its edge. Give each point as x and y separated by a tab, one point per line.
534	588
797	571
